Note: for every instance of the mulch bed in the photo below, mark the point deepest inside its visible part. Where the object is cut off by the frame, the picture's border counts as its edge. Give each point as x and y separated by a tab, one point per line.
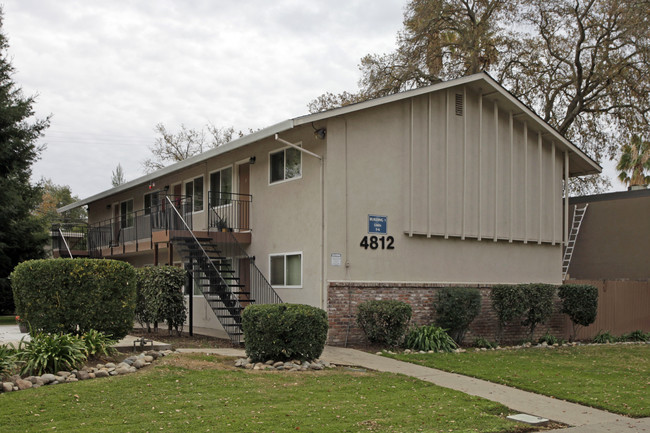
184	340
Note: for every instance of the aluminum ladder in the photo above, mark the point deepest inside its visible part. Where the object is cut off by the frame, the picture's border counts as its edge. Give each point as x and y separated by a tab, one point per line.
578	215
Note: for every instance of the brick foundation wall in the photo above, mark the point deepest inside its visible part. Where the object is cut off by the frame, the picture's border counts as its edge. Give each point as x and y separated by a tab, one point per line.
343	299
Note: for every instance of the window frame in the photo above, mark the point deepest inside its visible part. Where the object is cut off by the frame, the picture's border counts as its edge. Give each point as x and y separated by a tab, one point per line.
147	210
285	285
232	183
284	159
193	182
127	219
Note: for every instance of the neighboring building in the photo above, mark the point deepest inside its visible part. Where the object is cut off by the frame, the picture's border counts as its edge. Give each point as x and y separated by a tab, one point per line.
455	183
614	236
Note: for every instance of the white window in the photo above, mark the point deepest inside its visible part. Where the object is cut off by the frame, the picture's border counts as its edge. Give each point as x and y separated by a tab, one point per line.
194	189
151	202
221	187
126	214
286	270
285	164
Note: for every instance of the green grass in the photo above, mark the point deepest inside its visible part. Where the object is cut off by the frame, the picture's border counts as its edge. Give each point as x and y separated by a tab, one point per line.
186	393
7	320
614	378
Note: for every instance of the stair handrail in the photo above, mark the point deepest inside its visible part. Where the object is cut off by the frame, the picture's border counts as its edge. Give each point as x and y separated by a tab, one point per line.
67	247
200	246
242	253
568	250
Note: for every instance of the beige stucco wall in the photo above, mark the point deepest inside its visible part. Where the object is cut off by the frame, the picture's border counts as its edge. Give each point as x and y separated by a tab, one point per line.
421	168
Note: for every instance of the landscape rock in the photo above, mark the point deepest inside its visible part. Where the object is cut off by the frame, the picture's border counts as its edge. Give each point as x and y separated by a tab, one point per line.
101	373
23	384
7	386
48	378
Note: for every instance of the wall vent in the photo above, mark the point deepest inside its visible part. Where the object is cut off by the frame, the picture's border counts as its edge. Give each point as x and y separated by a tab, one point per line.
459	104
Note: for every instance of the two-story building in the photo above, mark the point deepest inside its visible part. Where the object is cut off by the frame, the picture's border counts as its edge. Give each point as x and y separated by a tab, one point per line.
455	183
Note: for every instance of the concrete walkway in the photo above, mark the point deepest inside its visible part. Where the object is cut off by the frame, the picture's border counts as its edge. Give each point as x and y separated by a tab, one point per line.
586	419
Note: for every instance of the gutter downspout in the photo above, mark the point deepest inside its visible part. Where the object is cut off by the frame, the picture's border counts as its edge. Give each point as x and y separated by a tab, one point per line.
322	208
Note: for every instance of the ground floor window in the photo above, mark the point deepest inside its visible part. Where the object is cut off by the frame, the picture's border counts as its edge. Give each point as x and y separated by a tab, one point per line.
286	270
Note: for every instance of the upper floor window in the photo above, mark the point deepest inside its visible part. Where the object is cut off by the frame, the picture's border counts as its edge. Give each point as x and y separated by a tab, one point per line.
194	189
285	164
221	187
126	214
151	202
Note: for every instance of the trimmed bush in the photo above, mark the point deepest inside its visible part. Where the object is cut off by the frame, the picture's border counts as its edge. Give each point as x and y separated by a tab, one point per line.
580	303
384	322
160	297
75	295
508	302
456	309
283	332
538	304
429	338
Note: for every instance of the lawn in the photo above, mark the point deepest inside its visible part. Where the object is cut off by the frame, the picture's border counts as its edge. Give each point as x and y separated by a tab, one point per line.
615	378
204	393
7	320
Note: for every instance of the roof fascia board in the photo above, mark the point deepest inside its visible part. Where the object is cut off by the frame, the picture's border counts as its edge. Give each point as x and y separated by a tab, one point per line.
235	144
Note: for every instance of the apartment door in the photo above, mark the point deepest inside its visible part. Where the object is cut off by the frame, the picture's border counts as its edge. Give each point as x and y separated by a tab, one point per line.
244	198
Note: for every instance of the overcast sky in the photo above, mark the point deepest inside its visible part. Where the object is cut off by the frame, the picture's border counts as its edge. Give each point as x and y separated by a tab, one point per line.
109	71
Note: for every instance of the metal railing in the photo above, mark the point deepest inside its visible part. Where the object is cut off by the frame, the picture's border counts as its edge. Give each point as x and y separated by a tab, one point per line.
136	227
230	211
252	279
69	236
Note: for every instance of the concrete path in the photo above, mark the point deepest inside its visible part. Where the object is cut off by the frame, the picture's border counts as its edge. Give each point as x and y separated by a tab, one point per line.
11	334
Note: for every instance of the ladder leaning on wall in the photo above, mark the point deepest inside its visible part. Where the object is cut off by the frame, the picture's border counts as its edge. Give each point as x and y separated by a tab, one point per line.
578	215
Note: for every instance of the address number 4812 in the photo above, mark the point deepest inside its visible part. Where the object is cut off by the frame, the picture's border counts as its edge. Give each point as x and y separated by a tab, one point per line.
377	242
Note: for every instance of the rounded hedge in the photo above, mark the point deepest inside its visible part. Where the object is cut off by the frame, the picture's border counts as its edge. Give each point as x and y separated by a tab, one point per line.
283	332
456	309
384	321
76	295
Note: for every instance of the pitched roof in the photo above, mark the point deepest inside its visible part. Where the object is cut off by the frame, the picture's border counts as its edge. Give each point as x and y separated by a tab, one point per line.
580	164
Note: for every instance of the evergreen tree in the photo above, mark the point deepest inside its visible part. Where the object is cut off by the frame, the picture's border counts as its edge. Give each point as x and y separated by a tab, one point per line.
21	233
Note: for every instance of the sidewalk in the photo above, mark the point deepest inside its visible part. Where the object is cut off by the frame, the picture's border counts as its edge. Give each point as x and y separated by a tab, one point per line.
586	419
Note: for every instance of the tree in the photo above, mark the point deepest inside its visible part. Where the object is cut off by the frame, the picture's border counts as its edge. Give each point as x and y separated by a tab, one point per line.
21	235
581	65
172	147
54	197
117	176
634	161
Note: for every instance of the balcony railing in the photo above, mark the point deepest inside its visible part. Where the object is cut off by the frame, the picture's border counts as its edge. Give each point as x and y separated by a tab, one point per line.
135	228
231	211
69	237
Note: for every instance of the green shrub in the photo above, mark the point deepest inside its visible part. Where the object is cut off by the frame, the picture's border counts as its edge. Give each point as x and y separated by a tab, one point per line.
97	344
160	297
580	303
384	322
604	337
75	295
508	302
538	305
484	343
456	309
429	338
7	360
637	335
284	332
49	353
548	339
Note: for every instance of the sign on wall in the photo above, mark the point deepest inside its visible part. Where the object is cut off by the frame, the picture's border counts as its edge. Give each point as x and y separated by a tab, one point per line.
377	224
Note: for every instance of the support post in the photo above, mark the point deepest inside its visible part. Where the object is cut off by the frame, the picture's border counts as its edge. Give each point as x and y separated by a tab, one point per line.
190	292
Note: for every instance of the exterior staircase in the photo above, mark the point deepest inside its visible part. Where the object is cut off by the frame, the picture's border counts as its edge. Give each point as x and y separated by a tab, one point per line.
226	276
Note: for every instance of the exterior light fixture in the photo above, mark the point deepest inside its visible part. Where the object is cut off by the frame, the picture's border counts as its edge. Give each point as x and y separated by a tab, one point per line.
251	160
320	133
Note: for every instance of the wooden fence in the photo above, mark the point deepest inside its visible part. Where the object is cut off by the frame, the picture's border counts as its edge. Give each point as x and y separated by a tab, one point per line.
623	306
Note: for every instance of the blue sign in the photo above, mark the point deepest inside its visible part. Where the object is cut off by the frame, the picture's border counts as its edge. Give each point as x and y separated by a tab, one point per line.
377	224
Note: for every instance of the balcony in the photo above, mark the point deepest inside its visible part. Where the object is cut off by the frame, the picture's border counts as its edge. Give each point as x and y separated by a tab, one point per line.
141	230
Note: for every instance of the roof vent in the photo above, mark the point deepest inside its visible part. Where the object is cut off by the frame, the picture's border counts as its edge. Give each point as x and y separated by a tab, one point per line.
459	104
